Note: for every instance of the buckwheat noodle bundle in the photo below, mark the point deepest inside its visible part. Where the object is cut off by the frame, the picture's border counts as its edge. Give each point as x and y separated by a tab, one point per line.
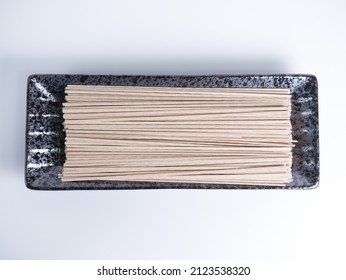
236	136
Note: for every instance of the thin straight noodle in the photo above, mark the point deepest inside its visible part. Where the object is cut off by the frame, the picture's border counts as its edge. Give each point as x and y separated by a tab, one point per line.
238	136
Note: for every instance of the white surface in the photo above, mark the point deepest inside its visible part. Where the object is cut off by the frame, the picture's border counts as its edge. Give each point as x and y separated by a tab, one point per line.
173	37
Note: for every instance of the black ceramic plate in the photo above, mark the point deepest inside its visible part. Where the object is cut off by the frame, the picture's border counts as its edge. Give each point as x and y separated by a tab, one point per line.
45	135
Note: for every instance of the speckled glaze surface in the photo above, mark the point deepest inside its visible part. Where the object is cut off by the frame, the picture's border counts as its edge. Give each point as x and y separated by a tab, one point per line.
45	136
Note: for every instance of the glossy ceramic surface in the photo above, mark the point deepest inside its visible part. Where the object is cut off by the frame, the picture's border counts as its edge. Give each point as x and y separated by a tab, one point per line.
45	136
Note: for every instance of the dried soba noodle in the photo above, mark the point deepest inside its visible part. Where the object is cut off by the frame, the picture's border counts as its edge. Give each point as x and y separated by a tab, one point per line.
238	136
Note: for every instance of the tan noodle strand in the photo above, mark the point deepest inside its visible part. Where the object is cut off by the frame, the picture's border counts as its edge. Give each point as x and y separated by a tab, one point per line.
239	136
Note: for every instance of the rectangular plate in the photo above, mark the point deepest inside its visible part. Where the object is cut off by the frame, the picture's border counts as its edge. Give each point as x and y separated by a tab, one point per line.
45	137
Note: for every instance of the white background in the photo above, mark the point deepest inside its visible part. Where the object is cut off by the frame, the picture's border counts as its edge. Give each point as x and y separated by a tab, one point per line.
173	37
